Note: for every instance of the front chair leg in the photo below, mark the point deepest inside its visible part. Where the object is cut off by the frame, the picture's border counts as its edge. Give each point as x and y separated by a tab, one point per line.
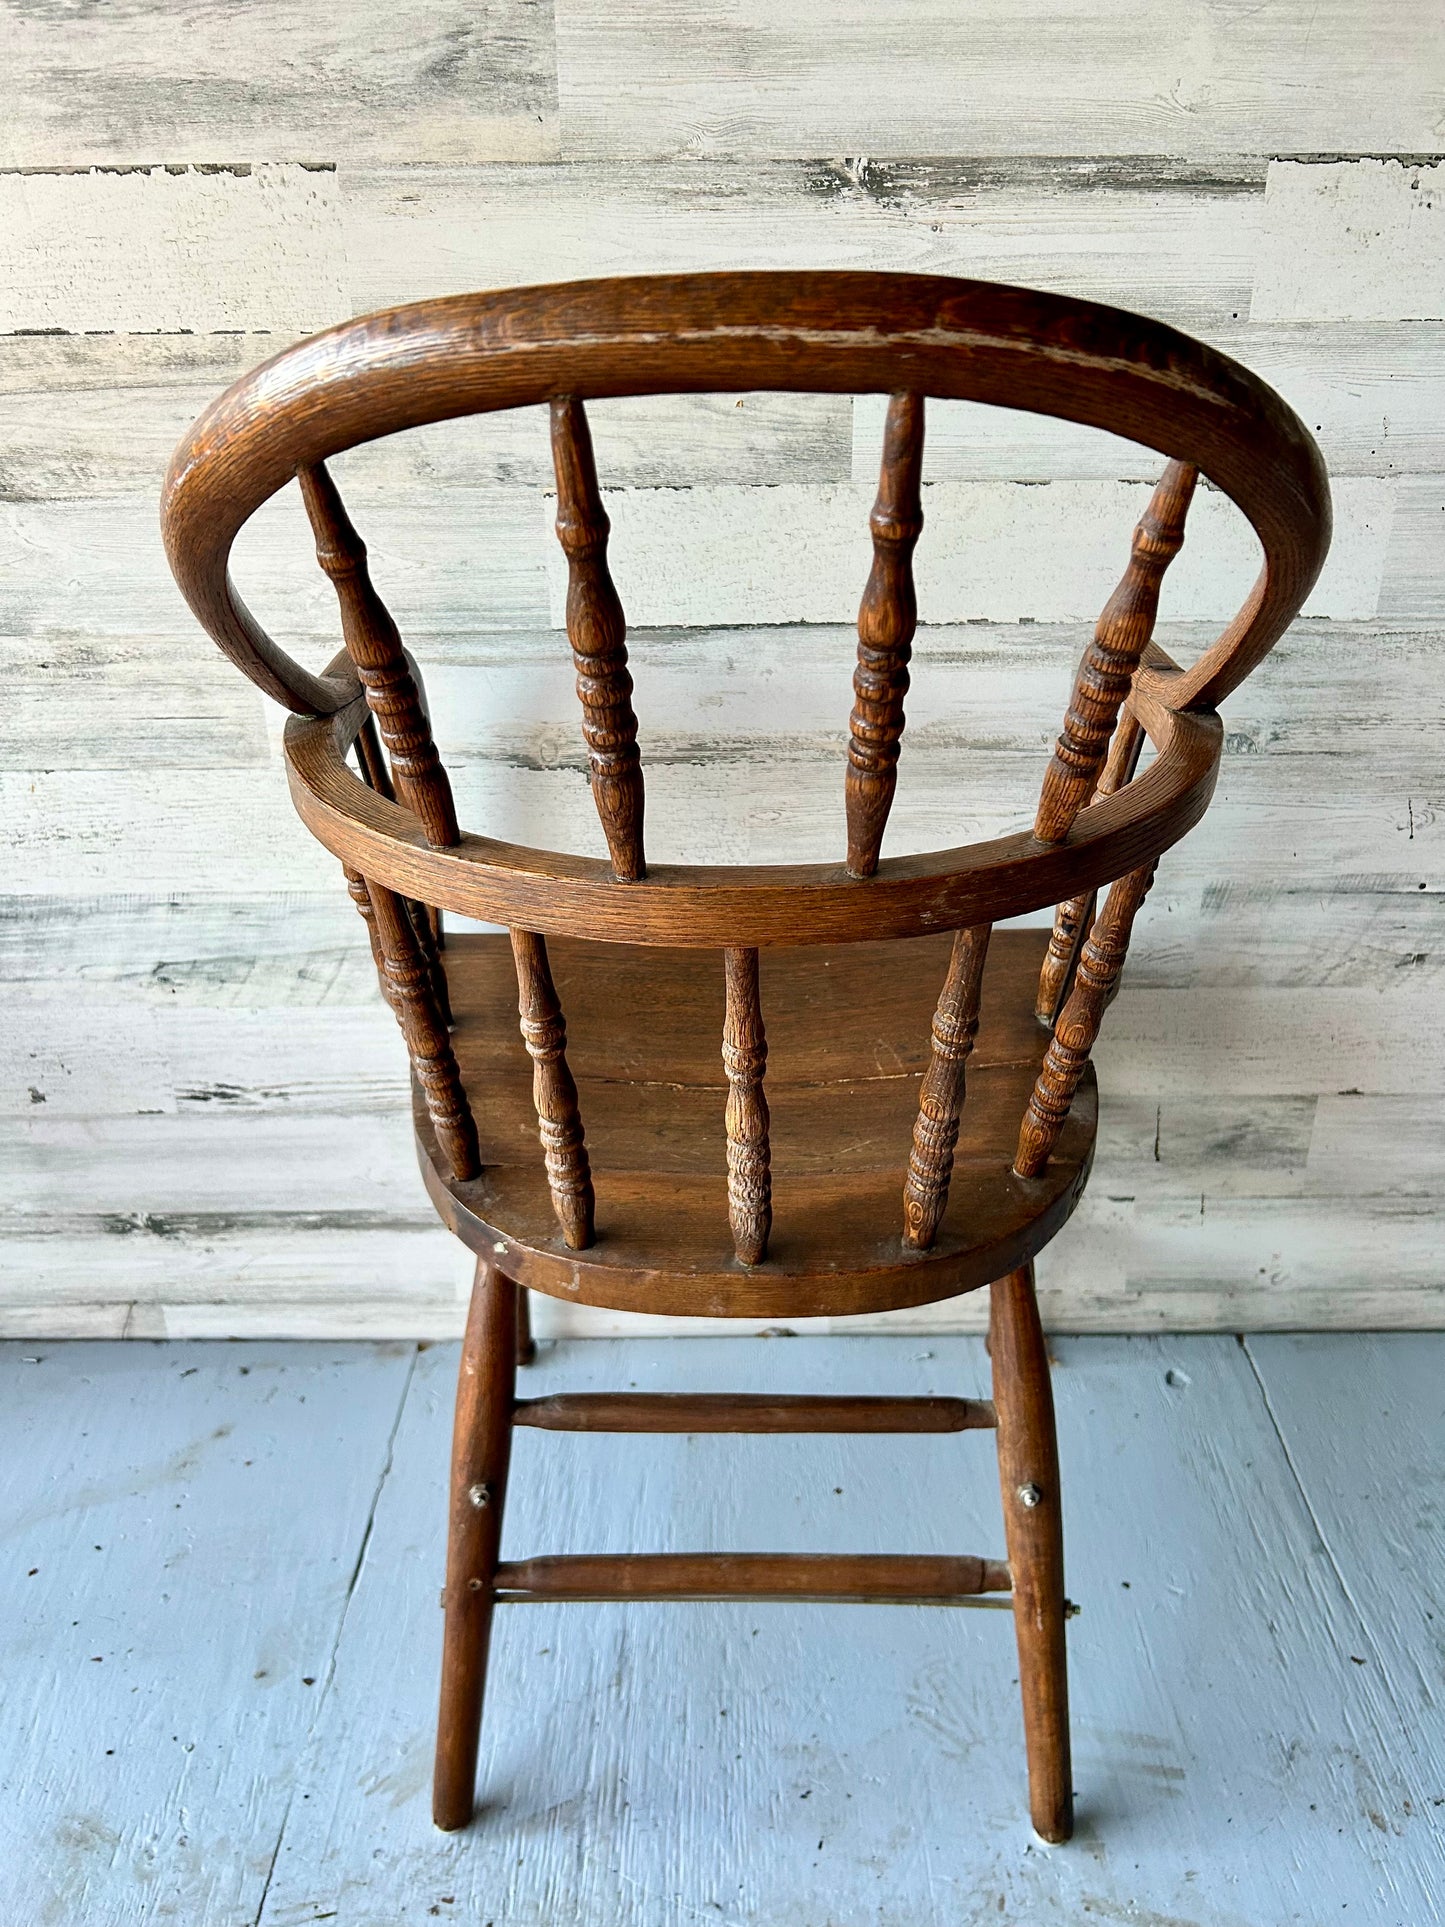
481	1449
1028	1464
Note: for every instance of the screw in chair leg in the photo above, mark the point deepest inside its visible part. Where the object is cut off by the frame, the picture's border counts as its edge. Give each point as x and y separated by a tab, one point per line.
526	1344
481	1449
1028	1461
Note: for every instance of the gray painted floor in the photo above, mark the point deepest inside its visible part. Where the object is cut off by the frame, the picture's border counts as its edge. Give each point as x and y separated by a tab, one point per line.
219	1567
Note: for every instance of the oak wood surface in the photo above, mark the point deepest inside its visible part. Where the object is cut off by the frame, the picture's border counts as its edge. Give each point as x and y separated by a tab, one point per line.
884	1578
886	621
481	1456
597	631
1028	1471
849	1039
837	332
748	1412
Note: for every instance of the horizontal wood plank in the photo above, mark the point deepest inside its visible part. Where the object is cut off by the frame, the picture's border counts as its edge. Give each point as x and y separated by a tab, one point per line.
253	249
419	82
1037	79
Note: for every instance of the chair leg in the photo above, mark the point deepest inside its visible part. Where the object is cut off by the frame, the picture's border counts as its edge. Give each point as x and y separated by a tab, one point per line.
481	1449
1028	1463
526	1344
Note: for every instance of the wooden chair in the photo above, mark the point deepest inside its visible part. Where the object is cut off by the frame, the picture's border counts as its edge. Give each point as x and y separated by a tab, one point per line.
667	1203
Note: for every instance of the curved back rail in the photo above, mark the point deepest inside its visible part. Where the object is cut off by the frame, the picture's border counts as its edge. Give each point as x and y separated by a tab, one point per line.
392	821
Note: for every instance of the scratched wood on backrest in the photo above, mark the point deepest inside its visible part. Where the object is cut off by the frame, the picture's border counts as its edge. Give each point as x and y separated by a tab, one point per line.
597	631
886	622
375	646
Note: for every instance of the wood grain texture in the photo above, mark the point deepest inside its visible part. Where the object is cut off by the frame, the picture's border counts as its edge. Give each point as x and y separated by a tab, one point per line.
835	332
119	1657
1107	668
1077	1028
434	1066
597	631
848	1042
419	83
744	1412
554	1093
746	1117
941	1094
1028	1471
1353	241
481	1455
232	248
375	647
1073	920
635	81
886	621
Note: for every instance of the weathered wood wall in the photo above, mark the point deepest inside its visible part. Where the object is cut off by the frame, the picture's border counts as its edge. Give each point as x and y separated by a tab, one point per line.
203	1097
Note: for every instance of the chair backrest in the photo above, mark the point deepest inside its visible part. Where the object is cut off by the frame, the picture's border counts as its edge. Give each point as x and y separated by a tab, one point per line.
394	825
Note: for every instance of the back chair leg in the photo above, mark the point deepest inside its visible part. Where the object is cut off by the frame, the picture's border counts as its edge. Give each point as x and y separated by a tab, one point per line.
1028	1464
526	1344
481	1451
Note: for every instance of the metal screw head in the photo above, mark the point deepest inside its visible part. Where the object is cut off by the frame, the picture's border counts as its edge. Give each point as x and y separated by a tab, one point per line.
1030	1495
480	1496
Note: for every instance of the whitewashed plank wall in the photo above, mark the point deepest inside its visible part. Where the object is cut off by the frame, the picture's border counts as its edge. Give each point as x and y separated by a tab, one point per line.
201	1107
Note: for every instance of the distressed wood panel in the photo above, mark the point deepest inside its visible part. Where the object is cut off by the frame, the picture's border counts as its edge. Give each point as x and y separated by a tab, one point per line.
637	78
162	1684
718	1745
1414	587
56	690
96	831
239	248
800	554
129	398
1157	244
1361	240
415	82
1374	1488
1373	394
97	566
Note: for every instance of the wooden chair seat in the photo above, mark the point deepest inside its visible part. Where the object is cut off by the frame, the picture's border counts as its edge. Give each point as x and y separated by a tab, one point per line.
848	1043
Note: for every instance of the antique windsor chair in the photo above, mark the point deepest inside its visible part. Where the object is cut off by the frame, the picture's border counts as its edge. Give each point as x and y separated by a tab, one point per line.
666	1205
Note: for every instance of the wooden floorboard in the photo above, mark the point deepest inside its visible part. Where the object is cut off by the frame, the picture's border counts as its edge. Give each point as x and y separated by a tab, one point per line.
180	1529
1243	1528
1363	1422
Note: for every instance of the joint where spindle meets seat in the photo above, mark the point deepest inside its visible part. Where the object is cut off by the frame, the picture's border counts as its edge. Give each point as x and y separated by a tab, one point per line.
766	1075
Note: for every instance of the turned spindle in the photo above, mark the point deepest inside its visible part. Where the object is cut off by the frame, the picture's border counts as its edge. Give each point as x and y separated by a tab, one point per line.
745	1058
408	986
1100	962
1107	668
597	631
361	896
374	645
1073	919
940	1096
887	618
554	1092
